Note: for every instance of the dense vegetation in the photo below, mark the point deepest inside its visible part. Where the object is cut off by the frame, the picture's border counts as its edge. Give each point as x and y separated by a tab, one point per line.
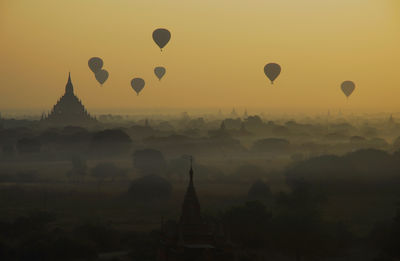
321	189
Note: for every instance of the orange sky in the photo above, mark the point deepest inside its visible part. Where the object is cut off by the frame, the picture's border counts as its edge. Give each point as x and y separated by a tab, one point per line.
215	58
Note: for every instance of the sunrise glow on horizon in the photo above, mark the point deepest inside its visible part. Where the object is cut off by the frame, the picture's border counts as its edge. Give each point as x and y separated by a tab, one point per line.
215	58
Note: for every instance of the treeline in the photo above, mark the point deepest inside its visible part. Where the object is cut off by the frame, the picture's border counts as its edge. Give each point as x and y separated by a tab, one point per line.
293	226
40	236
228	138
368	167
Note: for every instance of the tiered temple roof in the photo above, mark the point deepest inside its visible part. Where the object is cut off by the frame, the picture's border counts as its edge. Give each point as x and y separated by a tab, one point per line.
68	110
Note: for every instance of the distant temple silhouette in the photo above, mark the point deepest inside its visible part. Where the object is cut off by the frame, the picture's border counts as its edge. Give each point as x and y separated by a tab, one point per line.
192	238
68	110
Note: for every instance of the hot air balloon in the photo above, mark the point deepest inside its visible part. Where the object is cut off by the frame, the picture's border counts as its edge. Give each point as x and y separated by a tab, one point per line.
95	64
272	71
101	76
159	72
137	84
348	88
161	37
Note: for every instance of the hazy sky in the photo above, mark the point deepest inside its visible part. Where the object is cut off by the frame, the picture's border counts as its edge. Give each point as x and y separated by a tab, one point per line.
215	58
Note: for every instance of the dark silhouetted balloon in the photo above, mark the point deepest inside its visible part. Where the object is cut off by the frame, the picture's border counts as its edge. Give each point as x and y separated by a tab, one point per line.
137	84
161	37
101	76
348	88
159	72
95	64
272	71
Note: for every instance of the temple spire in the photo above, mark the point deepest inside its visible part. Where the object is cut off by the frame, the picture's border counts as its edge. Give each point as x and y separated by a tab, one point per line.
69	88
191	213
191	170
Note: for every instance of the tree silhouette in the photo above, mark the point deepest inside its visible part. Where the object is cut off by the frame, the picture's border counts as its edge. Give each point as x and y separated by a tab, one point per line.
149	162
78	170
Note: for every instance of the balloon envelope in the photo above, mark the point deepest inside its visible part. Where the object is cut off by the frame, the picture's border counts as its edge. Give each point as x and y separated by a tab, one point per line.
161	37
159	72
272	71
95	64
348	88
101	76
137	84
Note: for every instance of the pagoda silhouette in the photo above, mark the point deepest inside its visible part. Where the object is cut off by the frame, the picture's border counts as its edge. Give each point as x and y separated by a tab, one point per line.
68	111
192	238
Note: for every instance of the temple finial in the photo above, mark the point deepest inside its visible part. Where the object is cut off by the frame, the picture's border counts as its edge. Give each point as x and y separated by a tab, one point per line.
69	88
191	168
